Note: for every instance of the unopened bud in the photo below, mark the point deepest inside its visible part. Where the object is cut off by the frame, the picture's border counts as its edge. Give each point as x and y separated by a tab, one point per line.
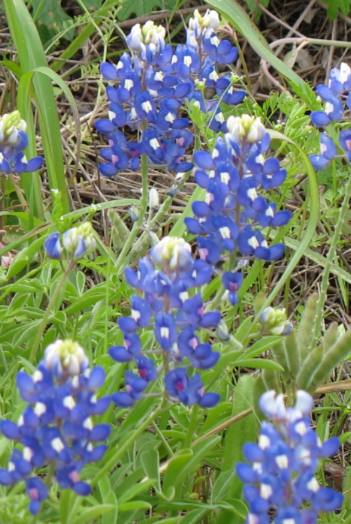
154	199
246	128
222	331
275	321
10	125
65	357
172	253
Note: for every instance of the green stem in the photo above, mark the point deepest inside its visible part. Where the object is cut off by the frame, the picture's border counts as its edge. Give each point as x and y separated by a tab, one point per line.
128	442
192	426
329	262
65	506
53	305
124	255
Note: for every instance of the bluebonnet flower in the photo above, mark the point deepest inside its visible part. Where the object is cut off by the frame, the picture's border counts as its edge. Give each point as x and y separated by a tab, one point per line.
169	302
150	87
72	244
236	176
56	427
336	96
13	142
281	479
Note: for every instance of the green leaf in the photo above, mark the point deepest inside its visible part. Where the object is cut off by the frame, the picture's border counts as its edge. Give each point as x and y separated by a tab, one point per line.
85	33
303	335
262	345
51	19
142	7
135	490
134	505
150	462
174	469
89	515
259	363
194	516
243	430
108	497
333	356
24	258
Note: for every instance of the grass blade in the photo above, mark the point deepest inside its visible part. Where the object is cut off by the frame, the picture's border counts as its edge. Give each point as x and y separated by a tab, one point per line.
31	55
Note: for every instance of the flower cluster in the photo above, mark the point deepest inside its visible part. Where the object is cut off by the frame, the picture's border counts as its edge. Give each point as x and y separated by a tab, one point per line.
72	244
56	428
281	478
169	302
235	177
13	142
336	97
149	87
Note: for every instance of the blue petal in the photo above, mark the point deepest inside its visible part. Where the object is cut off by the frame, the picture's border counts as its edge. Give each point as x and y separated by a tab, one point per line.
203	159
246	473
100	432
108	71
5	477
10	430
319	118
330	447
104	126
209	400
26	386
123	399
82	488
96	378
281	218
52	245
120	353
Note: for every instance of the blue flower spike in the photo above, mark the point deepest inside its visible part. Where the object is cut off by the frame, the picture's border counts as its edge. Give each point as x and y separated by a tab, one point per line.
168	302
151	85
336	98
56	428
280	478
13	142
73	244
237	176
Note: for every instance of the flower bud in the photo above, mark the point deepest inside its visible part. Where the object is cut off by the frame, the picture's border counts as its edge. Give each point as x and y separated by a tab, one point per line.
66	357
245	128
154	199
210	20
172	254
275	321
148	35
74	243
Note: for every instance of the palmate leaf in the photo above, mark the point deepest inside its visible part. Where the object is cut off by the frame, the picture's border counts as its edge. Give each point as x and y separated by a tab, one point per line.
142	7
51	18
334	6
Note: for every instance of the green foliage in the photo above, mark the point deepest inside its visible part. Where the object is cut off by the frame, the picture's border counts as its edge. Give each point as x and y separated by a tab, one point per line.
336	6
32	56
307	364
51	18
143	7
166	463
